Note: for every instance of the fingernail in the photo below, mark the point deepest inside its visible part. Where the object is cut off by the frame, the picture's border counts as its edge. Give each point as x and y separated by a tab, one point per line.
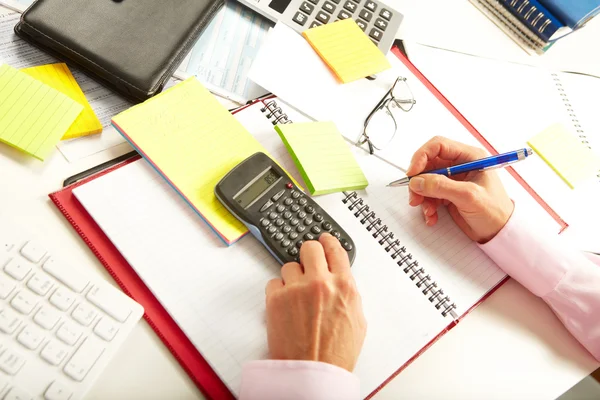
417	184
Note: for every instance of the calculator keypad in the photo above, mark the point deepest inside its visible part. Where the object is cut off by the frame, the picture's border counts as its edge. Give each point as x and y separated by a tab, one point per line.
292	221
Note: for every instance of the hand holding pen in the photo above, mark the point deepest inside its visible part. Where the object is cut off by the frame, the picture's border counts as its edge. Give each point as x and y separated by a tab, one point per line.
477	202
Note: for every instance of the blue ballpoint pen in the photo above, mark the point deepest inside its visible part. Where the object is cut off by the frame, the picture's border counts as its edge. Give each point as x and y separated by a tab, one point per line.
499	161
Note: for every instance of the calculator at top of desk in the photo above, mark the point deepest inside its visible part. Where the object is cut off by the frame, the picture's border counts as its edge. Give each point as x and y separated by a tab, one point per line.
379	21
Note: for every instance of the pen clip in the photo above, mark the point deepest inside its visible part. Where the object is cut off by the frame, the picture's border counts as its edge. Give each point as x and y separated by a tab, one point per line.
498	166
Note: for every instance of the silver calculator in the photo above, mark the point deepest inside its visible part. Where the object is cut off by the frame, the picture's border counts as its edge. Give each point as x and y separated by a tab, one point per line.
378	20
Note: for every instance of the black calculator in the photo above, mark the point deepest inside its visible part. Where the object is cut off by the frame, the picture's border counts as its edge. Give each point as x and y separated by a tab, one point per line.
263	197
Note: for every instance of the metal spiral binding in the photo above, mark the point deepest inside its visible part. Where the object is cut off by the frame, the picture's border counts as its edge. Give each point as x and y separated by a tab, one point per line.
571	111
275	114
399	254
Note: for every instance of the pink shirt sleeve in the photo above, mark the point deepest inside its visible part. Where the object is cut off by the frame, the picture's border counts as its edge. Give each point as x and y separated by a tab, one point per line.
297	380
568	280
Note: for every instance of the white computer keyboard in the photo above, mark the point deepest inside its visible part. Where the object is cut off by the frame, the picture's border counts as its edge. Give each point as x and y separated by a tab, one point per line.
58	326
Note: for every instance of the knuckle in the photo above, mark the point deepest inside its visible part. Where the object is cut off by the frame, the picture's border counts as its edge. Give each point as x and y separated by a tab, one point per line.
473	194
347	286
322	288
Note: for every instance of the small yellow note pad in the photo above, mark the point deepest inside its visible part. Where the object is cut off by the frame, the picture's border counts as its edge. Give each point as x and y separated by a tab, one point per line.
322	156
33	116
347	50
59	77
193	142
566	154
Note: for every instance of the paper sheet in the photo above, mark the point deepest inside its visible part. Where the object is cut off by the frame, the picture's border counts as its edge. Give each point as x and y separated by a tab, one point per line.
347	50
59	77
33	116
17	5
193	142
322	156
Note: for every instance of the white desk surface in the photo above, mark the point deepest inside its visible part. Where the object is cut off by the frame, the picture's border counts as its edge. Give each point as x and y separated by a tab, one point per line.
511	346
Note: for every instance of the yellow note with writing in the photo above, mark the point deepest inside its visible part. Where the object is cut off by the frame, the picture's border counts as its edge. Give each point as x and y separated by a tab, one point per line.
566	154
59	77
33	116
192	141
347	50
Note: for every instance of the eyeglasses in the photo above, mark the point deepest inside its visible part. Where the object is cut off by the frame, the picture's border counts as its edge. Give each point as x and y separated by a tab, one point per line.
380	125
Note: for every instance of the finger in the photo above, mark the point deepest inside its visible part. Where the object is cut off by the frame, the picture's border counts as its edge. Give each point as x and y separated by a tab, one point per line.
415	199
291	272
465	195
429	206
444	148
272	286
312	257
337	257
431	220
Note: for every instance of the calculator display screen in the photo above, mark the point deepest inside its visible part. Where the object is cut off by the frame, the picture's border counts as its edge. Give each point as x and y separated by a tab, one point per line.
246	197
279	5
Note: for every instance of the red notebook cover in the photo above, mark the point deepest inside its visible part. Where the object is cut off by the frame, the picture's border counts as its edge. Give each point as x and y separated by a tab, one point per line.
155	314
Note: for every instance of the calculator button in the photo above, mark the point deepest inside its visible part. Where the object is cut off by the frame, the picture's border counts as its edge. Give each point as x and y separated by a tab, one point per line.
387	14
295	207
309	236
308	221
286	229
361	24
316	230
293	252
266	206
381	24
279	208
329	7
315	24
366	15
371	6
327	226
307	7
318	217
288	201
344	15
278	236
289	185
300	228
350	6
287	215
278	195
285	243
272	229
301	214
295	194
375	34
346	245
314	2
336	234
293	235
273	215
294	222
279	222
309	209
302	201
265	222
336	1
300	18
356	1
322	17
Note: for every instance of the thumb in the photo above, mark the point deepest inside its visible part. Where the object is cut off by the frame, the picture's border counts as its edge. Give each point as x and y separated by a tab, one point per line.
462	194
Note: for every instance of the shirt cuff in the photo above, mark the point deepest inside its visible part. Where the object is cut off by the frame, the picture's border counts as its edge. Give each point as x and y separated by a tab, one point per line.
535	259
297	380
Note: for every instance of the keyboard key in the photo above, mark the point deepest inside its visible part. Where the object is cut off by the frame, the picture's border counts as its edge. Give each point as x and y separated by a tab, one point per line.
11	362
324	18
3	381
371	6
68	333
84	314
40	284
350	6
33	252
361	24
66	274
46	317
62	298
24	302
329	7
17	268
17	394
54	352
6	245
344	15
106	329
84	359
308	9
366	15
375	34
110	301
299	18
9	321
386	14
381	24
31	337
7	286
57	391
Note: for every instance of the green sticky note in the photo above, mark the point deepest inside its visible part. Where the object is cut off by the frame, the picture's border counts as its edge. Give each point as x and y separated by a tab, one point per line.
322	156
33	116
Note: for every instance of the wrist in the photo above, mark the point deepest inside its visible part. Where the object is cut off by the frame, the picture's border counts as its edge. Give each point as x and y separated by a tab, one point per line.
500	217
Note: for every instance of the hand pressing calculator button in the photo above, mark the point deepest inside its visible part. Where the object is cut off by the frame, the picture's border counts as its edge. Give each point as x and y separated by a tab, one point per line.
246	189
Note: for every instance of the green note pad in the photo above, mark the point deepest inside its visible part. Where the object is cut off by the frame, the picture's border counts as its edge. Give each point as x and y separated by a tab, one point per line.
322	157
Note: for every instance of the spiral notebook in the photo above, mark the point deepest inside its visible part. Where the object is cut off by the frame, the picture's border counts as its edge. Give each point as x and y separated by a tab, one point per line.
416	282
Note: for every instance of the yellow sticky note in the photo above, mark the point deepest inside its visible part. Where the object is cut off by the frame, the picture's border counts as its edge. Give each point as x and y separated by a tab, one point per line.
322	156
192	141
33	116
347	50
566	154
59	77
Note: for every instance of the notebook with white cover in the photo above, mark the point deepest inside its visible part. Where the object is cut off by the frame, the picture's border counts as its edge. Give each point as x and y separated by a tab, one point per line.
415	281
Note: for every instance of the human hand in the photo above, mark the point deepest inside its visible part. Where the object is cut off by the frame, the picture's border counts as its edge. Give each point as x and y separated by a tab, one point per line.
476	200
315	311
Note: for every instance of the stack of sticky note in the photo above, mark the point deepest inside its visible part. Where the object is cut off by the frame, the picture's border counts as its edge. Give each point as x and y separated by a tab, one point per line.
322	156
573	161
347	50
33	115
59	77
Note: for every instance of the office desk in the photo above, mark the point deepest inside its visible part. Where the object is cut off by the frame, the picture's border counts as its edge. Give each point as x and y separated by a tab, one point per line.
510	347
